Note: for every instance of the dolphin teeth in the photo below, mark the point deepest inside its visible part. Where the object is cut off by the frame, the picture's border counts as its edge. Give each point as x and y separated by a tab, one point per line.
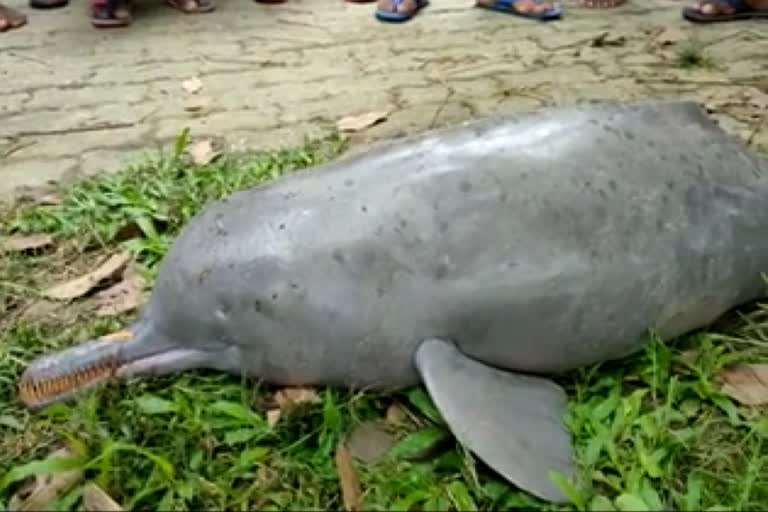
35	391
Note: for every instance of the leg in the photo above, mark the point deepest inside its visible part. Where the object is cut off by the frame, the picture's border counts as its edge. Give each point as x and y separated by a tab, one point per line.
398	10
542	10
10	18
513	422
709	11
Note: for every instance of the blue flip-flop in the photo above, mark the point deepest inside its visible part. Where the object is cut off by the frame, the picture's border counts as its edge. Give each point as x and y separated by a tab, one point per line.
505	6
741	11
394	16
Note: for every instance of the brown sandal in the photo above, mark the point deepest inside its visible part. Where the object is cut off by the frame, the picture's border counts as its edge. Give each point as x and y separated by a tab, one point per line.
193	6
11	18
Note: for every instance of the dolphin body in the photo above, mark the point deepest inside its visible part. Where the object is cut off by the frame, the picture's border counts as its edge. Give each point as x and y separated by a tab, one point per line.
476	260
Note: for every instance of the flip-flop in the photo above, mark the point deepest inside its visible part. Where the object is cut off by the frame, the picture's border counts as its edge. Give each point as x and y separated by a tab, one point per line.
395	17
601	4
506	6
104	13
741	11
13	18
47	4
203	6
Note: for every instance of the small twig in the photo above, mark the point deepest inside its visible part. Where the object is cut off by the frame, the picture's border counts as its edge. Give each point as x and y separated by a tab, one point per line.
758	129
440	108
17	147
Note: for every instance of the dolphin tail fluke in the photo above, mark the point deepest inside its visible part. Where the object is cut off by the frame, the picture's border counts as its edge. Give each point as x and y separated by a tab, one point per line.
513	422
137	349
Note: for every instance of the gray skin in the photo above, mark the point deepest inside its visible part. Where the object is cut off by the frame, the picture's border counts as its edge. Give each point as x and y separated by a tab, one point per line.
527	244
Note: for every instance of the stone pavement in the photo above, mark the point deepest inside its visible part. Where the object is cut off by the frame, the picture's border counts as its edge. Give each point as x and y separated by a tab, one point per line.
76	101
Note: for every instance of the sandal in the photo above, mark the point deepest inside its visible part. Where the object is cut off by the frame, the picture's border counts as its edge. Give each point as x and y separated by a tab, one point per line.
193	6
508	7
47	4
111	13
397	13
724	10
601	4
11	18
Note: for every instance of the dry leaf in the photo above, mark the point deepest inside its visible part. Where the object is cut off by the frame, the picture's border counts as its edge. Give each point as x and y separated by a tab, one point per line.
288	398
96	500
197	103
350	485
690	356
192	86
51	199
369	442
669	36
746	383
202	152
396	415
41	196
121	297
24	243
361	122
78	287
273	416
40	492
608	39
127	231
118	336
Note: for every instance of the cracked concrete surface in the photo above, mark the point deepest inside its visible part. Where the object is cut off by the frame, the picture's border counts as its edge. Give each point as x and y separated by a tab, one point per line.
75	101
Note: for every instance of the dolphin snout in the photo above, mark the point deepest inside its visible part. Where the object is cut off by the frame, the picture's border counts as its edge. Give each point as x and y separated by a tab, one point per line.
60	375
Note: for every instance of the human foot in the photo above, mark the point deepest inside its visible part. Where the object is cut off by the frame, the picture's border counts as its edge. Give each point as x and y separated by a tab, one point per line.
111	13
193	6
709	11
542	10
398	10
10	18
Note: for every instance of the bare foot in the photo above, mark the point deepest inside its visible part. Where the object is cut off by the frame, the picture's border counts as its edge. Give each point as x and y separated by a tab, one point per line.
193	6
706	11
524	7
405	7
10	18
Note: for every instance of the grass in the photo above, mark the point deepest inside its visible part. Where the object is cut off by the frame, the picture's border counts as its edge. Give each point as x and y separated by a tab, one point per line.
692	54
653	431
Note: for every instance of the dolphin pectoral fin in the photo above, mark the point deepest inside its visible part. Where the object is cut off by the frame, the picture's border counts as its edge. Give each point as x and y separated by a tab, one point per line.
512	422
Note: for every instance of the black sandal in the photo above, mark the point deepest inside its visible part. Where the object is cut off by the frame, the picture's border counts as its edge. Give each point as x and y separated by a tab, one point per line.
47	4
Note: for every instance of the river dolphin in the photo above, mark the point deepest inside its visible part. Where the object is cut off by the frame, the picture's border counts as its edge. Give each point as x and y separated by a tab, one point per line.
479	260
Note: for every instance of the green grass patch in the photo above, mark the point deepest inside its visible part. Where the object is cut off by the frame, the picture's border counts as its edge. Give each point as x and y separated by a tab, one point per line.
692	55
653	431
